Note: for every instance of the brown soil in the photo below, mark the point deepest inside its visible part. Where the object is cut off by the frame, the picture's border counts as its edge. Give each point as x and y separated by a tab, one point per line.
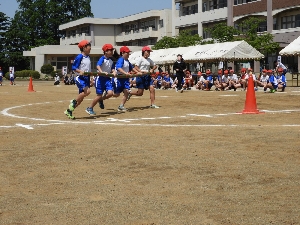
192	161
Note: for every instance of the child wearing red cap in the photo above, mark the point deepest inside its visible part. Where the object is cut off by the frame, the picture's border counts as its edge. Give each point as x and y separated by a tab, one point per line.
272	82
281	80
146	65
218	81
82	63
167	81
103	85
208	83
200	83
263	80
233	80
188	80
123	66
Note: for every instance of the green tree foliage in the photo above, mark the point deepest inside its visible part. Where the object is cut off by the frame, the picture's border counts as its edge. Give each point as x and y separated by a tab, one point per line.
36	23
183	39
4	26
223	33
47	69
263	42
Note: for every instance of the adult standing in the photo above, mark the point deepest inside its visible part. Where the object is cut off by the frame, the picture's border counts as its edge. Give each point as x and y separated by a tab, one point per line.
180	67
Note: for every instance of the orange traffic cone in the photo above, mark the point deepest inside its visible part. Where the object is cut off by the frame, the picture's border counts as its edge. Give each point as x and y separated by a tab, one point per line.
250	103
30	87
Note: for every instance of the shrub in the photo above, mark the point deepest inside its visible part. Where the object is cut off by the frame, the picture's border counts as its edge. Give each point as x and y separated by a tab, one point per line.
47	69
25	73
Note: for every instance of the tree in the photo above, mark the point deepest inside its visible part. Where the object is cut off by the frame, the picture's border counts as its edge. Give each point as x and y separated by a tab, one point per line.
183	39
47	69
4	26
263	42
223	33
36	23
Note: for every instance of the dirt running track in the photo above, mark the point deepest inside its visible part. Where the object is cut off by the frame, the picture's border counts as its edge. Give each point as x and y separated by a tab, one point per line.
193	161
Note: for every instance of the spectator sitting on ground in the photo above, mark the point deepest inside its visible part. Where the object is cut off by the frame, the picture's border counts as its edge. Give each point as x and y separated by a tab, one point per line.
281	80
158	81
56	79
174	84
208	83
262	81
218	81
243	79
200	83
167	81
272	83
188	80
233	80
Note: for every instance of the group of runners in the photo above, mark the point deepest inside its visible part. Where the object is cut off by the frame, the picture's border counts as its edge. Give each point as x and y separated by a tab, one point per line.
108	84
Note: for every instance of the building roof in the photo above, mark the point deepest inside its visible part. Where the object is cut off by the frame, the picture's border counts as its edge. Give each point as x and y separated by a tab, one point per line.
292	49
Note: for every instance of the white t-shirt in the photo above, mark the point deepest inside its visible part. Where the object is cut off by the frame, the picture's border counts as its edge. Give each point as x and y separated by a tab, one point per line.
280	65
144	64
11	75
264	78
233	77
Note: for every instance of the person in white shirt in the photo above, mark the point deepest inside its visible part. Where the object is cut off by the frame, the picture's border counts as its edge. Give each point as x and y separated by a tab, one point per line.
263	80
280	65
145	65
233	80
12	78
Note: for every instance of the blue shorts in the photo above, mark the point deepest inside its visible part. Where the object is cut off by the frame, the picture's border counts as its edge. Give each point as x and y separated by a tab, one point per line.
102	84
12	79
144	82
0	78
120	84
82	82
209	85
275	86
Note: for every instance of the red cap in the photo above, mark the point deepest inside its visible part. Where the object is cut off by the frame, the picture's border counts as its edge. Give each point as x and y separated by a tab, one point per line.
269	71
207	71
107	47
199	73
280	70
219	71
264	70
125	49
157	73
243	70
226	72
249	69
146	48
83	43
231	71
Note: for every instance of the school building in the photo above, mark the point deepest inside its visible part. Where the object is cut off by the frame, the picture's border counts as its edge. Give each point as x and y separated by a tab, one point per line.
282	20
146	28
135	31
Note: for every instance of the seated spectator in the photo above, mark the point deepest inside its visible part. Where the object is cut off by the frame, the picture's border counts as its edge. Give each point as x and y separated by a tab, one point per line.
233	80
281	79
272	83
158	81
262	81
174	84
218	81
56	79
225	81
188	80
167	81
208	83
200	82
243	80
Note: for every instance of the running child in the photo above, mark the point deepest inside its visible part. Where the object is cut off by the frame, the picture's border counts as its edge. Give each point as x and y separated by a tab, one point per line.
145	65
82	63
103	85
123	66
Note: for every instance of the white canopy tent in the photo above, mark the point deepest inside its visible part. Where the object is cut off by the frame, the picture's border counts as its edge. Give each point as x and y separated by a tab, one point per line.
227	51
292	49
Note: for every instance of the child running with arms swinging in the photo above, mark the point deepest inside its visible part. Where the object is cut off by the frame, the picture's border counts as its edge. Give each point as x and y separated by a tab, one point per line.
82	63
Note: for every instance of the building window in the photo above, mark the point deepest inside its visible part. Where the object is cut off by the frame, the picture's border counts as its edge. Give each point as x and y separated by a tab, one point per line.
287	22
222	3
204	7
85	30
275	24
297	20
161	23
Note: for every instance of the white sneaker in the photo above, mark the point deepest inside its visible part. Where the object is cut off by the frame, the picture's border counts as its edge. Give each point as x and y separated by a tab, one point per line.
154	107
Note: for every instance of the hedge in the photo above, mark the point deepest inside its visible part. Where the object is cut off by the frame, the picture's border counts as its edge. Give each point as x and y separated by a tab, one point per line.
25	73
